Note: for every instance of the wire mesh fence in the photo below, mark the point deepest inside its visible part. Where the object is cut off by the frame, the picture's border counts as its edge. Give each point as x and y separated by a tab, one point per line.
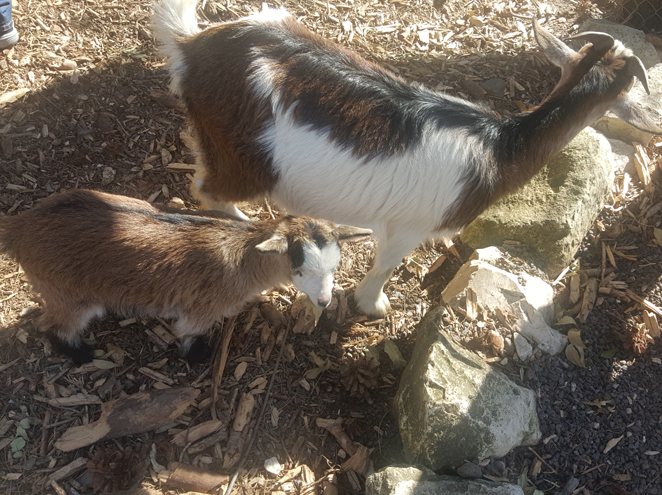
641	14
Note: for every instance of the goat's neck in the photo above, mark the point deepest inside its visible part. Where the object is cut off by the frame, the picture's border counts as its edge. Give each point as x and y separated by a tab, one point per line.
535	136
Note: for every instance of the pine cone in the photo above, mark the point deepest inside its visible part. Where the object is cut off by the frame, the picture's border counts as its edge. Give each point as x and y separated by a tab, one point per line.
359	373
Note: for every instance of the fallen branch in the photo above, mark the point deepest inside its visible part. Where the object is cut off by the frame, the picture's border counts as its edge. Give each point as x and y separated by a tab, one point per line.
135	413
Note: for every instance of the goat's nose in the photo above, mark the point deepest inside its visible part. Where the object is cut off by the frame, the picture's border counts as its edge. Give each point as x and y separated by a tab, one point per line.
323	302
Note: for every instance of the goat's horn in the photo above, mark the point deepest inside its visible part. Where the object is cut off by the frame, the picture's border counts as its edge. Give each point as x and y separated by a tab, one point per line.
602	42
636	68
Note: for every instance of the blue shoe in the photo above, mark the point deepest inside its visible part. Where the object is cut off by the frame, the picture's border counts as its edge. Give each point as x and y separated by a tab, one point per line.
8	39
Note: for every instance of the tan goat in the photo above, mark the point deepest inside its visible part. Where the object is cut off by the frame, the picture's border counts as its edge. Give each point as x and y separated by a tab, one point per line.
89	252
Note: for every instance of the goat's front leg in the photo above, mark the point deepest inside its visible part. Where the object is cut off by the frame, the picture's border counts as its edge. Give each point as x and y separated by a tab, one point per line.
392	246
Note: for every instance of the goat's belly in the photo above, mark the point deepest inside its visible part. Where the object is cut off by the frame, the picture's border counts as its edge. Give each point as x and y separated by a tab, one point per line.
317	177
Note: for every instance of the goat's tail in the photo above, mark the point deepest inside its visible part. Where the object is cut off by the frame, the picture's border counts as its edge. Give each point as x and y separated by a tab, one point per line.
172	22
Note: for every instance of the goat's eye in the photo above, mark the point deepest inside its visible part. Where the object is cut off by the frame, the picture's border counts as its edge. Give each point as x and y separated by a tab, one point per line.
298	273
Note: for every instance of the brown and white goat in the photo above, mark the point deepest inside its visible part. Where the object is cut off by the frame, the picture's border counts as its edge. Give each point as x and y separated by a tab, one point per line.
280	111
89	252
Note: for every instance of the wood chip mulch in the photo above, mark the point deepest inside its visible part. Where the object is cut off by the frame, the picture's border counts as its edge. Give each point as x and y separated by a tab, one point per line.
302	408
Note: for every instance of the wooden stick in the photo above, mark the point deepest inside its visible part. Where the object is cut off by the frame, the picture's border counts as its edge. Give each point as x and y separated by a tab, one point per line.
221	360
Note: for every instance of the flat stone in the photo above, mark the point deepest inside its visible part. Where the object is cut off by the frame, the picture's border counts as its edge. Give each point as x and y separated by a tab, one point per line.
623	156
498	289
553	212
395	480
452	406
529	299
522	347
531	324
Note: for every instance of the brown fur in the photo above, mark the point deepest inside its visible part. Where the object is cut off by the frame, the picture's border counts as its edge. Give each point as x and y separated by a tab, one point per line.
84	250
223	112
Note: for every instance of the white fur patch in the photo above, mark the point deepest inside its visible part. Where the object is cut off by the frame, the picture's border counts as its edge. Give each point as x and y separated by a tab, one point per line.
262	73
620	50
413	189
87	315
315	276
172	20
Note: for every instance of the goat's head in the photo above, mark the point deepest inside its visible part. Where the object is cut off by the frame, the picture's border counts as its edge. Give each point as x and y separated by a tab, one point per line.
608	69
313	249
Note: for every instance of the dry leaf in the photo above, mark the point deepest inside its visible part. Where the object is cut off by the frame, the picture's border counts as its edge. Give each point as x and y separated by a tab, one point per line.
575	355
240	370
658	236
575	338
275	416
612	443
305	314
566	320
103	365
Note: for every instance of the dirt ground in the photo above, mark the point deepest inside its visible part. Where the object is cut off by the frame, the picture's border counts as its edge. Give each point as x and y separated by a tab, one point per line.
88	106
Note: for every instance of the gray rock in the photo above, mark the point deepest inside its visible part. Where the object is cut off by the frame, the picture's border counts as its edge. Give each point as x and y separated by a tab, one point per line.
632	38
623	154
529	299
531	324
495	87
522	347
452	406
469	470
552	213
412	481
612	126
107	175
498	289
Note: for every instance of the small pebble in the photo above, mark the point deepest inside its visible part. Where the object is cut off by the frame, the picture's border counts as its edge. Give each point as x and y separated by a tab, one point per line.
469	470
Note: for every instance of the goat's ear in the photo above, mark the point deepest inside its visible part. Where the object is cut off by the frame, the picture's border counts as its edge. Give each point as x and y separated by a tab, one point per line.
644	114
556	51
276	244
351	234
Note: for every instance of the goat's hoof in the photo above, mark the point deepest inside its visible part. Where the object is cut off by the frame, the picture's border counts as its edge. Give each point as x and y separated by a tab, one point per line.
79	353
198	352
370	306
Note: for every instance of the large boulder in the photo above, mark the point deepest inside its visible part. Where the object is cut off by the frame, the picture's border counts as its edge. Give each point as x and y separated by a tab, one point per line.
632	38
552	213
612	126
407	480
452	406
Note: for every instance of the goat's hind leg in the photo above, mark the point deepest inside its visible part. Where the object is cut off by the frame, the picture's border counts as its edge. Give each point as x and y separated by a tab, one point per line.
192	345
392	246
207	201
64	325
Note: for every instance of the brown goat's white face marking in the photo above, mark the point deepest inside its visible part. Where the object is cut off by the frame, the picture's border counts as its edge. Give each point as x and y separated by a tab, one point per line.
315	276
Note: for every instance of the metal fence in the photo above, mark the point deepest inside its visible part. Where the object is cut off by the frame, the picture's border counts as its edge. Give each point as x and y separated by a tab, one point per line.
641	14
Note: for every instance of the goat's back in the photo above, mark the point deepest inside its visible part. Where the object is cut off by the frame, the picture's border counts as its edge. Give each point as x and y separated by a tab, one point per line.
86	247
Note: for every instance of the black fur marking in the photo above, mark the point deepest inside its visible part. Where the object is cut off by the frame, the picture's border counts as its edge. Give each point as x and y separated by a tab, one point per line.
362	106
198	352
295	252
80	354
